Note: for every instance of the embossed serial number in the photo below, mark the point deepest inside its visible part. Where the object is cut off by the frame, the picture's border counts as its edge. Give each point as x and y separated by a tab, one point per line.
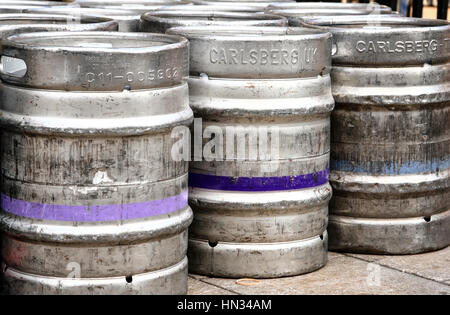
129	77
263	57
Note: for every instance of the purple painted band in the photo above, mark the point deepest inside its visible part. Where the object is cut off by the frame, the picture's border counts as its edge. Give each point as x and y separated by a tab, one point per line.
34	210
258	183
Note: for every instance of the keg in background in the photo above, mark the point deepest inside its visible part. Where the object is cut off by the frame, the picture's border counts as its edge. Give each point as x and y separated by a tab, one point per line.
390	145
373	8
141	8
11	24
209	8
296	13
255	6
131	3
92	202
34	3
161	21
263	214
128	20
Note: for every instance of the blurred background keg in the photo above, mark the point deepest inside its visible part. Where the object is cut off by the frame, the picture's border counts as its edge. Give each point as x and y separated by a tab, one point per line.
259	188
92	202
11	24
128	20
127	3
336	6
257	6
390	145
161	21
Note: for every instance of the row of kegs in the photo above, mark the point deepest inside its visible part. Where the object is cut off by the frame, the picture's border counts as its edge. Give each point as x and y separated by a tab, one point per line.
102	159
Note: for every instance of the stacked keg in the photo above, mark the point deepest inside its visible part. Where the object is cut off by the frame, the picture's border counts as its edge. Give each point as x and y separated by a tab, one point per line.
260	192
390	142
91	201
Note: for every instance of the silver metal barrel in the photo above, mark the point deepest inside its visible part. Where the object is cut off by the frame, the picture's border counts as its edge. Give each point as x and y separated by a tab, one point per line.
91	201
373	8
390	147
259	187
128	20
161	21
11	24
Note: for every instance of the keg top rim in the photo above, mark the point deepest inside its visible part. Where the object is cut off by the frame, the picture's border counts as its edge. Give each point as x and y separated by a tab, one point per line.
248	33
231	16
382	23
25	17
51	41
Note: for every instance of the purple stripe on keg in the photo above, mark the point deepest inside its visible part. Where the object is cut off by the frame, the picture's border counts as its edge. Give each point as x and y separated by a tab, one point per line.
34	210
258	183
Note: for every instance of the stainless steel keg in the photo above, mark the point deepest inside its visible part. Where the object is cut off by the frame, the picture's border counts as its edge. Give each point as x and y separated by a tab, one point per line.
259	176
161	21
92	202
390	147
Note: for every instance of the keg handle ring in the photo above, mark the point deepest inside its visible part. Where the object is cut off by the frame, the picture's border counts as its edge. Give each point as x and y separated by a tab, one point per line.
12	66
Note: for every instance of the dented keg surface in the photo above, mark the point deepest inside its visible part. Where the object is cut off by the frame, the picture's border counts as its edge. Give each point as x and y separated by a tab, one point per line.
371	7
128	20
11	24
161	21
259	213
91	201
390	146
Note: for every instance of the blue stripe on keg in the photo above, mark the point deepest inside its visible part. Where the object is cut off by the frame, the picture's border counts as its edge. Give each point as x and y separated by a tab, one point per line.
389	168
258	183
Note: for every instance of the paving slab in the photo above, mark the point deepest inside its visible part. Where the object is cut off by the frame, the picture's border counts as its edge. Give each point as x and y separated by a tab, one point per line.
370	258
342	275
196	287
433	265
